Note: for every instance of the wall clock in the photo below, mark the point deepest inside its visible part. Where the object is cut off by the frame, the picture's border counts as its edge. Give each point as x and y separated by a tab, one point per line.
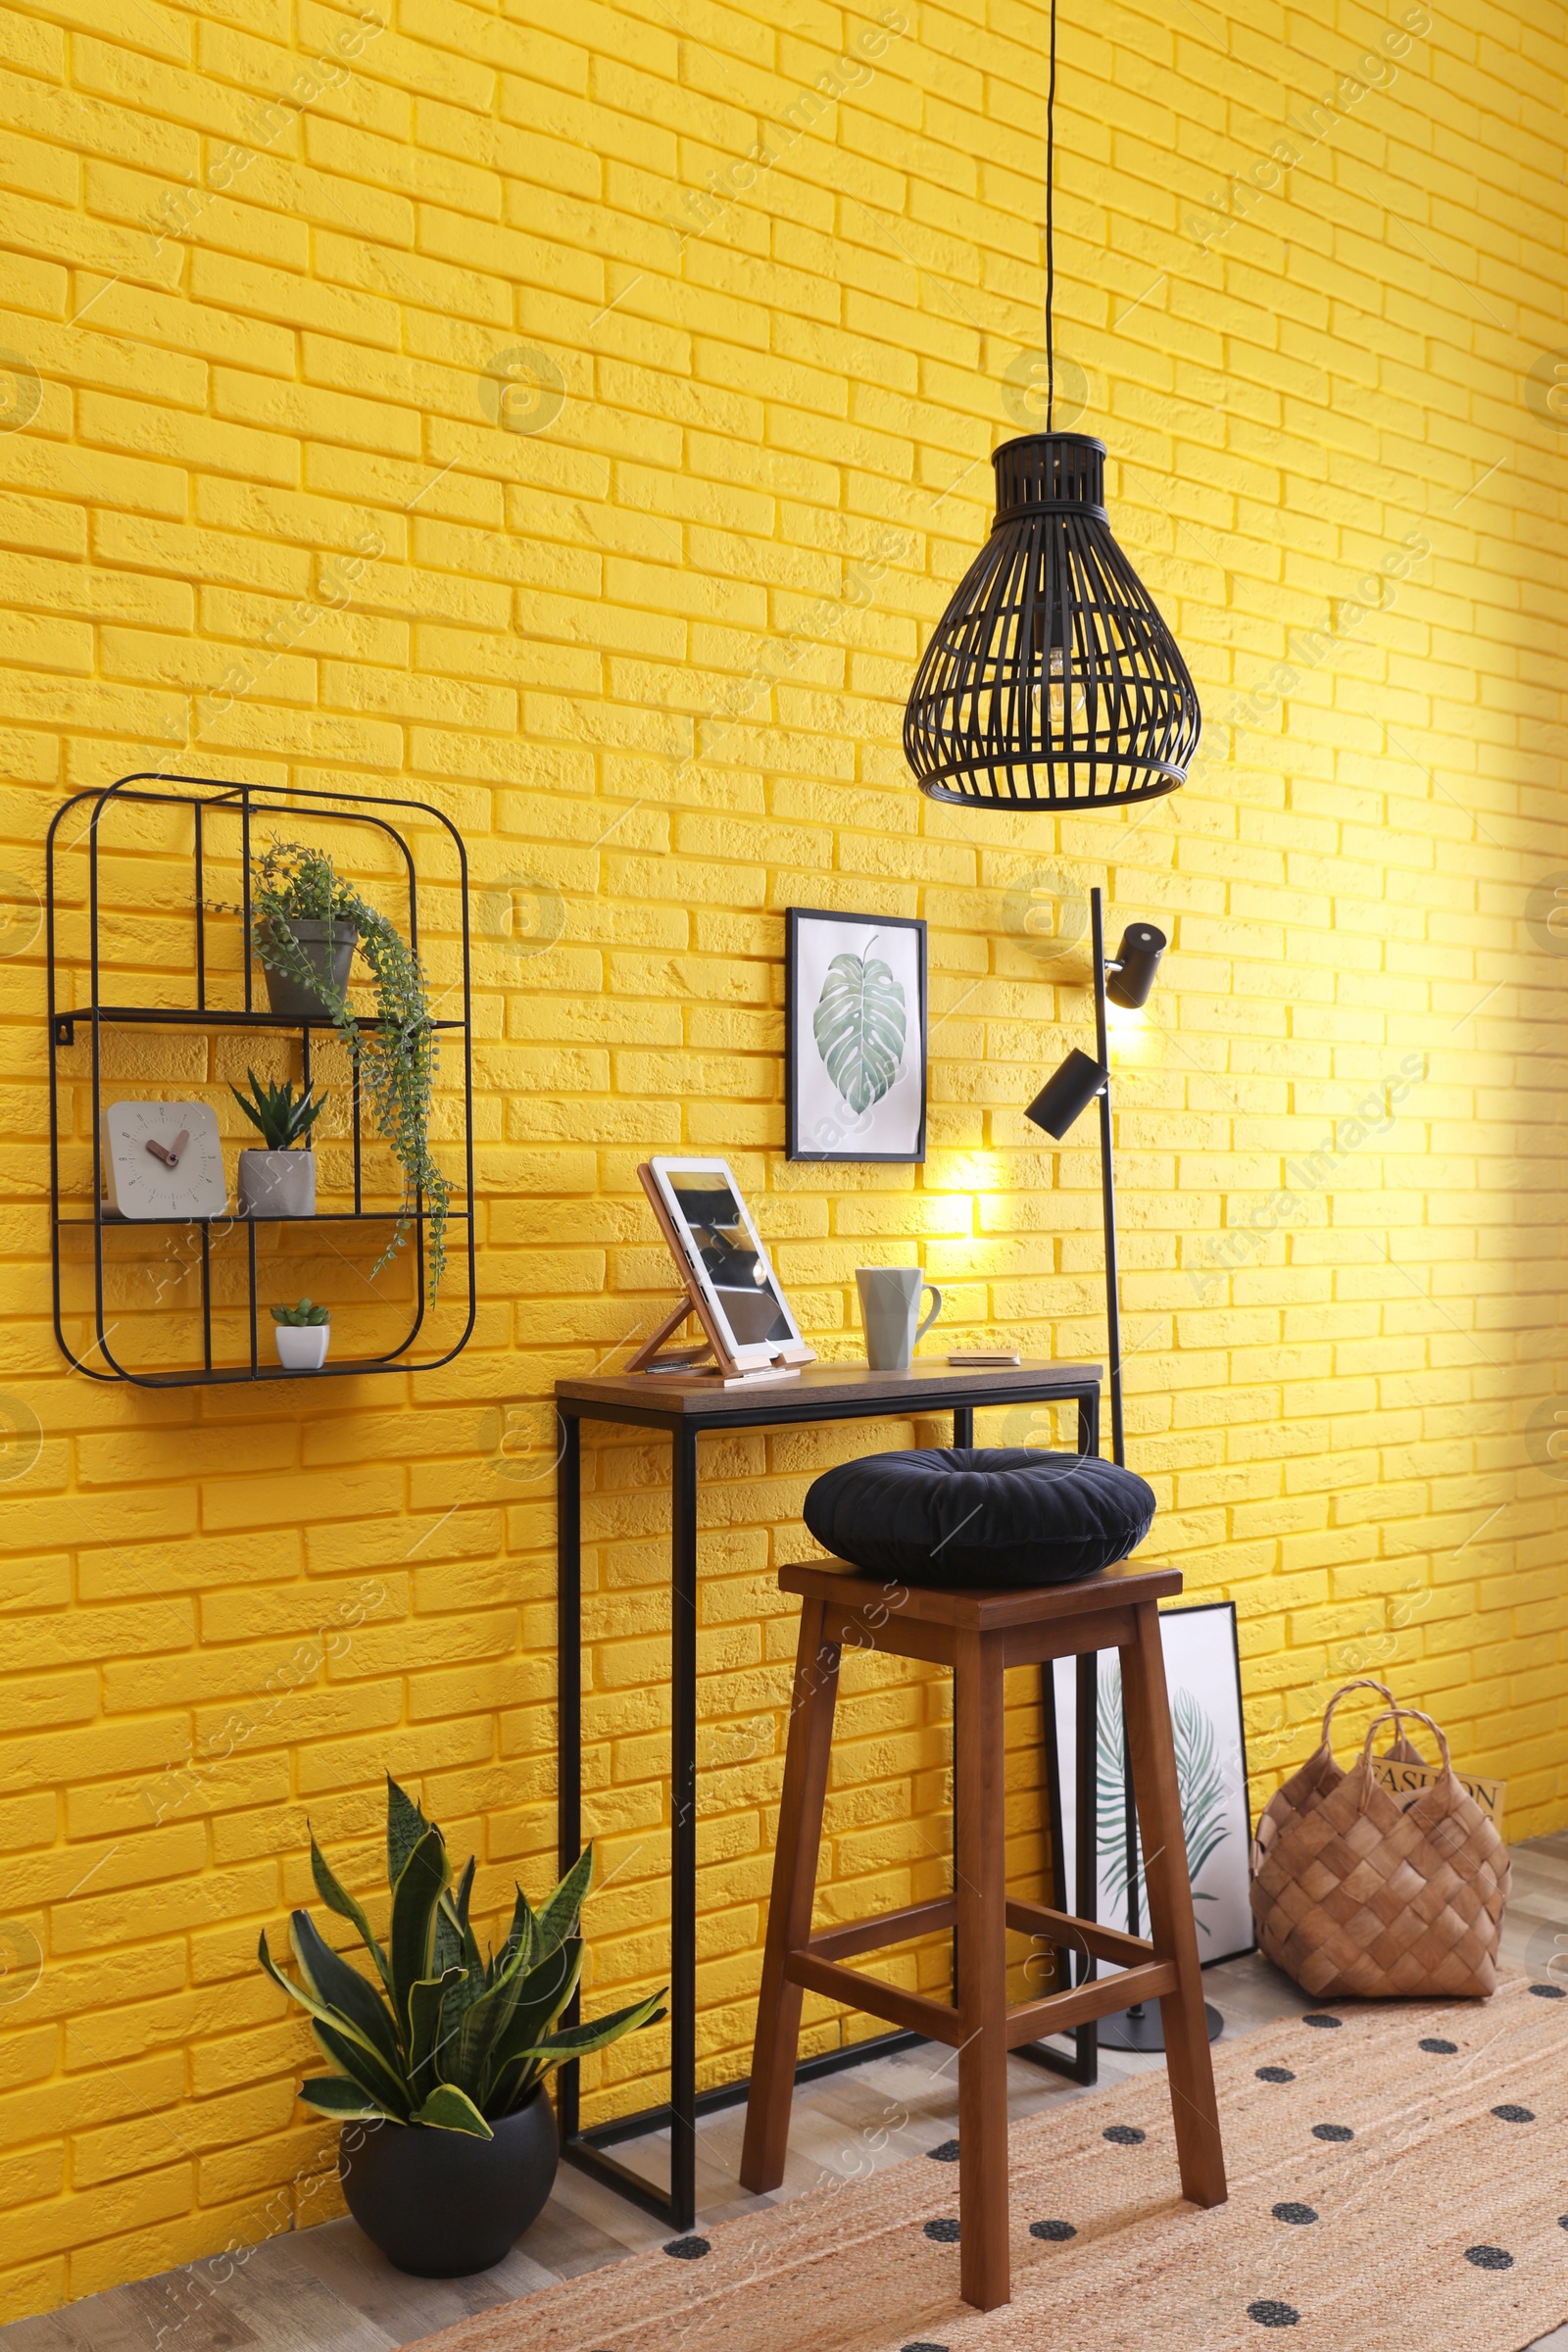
164	1159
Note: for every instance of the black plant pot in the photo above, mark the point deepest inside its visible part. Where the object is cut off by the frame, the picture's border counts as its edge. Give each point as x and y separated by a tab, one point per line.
442	2204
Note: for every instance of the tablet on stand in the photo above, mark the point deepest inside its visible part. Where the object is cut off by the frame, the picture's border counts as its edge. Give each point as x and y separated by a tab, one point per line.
730	1285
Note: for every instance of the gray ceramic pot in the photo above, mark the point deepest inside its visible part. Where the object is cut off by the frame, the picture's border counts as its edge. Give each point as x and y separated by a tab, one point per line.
329	950
442	2205
277	1184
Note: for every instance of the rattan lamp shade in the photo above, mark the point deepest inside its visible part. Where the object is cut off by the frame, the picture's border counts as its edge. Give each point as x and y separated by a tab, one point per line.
1051	680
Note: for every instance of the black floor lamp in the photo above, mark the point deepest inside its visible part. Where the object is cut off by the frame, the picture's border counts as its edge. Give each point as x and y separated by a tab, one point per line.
1060	1101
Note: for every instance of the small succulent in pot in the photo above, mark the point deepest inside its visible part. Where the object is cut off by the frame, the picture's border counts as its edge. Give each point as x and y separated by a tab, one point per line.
447	2045
302	1336
279	1180
283	1121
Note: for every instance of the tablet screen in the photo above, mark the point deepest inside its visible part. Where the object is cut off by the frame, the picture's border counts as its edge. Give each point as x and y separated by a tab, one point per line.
738	1274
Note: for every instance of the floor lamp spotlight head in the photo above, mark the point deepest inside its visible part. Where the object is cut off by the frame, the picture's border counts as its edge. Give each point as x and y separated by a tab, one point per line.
1067	1094
1131	977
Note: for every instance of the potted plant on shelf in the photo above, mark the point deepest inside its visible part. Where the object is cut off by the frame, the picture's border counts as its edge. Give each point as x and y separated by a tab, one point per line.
279	1180
449	2145
303	1335
306	926
306	922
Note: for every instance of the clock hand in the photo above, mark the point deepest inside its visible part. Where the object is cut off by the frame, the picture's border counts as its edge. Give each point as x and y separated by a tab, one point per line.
179	1145
158	1153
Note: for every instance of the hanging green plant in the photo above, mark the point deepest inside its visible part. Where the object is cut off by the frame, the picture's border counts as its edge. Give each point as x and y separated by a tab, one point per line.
292	884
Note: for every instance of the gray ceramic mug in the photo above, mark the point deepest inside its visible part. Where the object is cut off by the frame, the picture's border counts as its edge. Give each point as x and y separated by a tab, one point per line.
890	1300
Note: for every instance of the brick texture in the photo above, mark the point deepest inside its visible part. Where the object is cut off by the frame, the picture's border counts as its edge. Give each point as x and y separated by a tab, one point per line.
646	362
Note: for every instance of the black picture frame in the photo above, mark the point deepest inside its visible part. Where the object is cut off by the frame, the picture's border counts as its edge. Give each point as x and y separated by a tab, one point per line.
808	1089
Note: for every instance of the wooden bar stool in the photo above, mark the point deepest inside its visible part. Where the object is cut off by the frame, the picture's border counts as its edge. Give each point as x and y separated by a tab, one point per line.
978	1635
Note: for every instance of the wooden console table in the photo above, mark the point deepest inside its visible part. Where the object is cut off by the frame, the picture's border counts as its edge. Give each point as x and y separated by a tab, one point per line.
687	1407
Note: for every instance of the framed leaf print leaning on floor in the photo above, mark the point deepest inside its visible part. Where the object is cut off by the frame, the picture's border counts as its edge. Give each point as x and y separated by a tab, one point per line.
854	1035
1203	1674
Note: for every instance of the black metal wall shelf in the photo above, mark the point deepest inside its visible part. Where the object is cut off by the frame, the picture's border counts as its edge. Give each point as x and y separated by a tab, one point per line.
215	807
321	1216
116	1016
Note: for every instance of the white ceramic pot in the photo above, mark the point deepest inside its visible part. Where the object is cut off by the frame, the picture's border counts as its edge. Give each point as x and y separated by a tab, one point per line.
302	1347
277	1184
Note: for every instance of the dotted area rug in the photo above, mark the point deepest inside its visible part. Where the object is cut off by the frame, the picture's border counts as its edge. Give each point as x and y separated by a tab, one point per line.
1397	2185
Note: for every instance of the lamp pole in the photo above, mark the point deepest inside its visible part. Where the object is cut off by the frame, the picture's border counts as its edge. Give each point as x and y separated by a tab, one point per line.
1107	1188
1063	1099
1137	2027
1119	1430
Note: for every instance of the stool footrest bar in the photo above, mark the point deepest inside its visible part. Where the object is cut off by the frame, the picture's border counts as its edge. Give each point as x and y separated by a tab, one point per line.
1059	2011
889	1926
936	2019
1079	1934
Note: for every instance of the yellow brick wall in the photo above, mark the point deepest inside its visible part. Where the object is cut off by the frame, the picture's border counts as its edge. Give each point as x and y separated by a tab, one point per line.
657	351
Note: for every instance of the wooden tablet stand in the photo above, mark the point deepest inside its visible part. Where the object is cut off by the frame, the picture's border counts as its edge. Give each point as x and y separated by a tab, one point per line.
689	1357
674	1359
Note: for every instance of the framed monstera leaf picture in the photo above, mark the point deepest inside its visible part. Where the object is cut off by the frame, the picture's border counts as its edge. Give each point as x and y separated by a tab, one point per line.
856	1036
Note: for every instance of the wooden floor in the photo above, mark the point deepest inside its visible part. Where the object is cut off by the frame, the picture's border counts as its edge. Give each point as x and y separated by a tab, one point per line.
327	2289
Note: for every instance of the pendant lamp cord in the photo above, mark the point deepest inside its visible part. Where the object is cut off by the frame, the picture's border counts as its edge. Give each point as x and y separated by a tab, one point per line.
1051	241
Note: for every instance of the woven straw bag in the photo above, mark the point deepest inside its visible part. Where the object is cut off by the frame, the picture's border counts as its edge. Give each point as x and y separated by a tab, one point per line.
1355	1896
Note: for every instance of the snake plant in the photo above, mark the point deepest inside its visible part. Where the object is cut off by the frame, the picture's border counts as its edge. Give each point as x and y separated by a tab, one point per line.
447	2038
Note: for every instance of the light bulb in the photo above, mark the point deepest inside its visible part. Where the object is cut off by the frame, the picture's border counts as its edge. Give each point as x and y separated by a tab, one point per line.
1047	710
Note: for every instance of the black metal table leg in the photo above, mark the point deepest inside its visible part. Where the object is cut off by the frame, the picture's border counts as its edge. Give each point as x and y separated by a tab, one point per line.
683	1795
1075	1967
1086	2038
679	2208
963	1425
568	1699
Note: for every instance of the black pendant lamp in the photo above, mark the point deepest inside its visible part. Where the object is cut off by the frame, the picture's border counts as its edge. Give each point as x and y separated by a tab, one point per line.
1051	680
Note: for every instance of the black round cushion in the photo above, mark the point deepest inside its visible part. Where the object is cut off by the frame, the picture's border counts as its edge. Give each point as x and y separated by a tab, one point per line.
984	1515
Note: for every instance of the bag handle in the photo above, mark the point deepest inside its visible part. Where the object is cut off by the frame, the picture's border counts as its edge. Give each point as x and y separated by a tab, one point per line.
1344	1691
1450	1779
